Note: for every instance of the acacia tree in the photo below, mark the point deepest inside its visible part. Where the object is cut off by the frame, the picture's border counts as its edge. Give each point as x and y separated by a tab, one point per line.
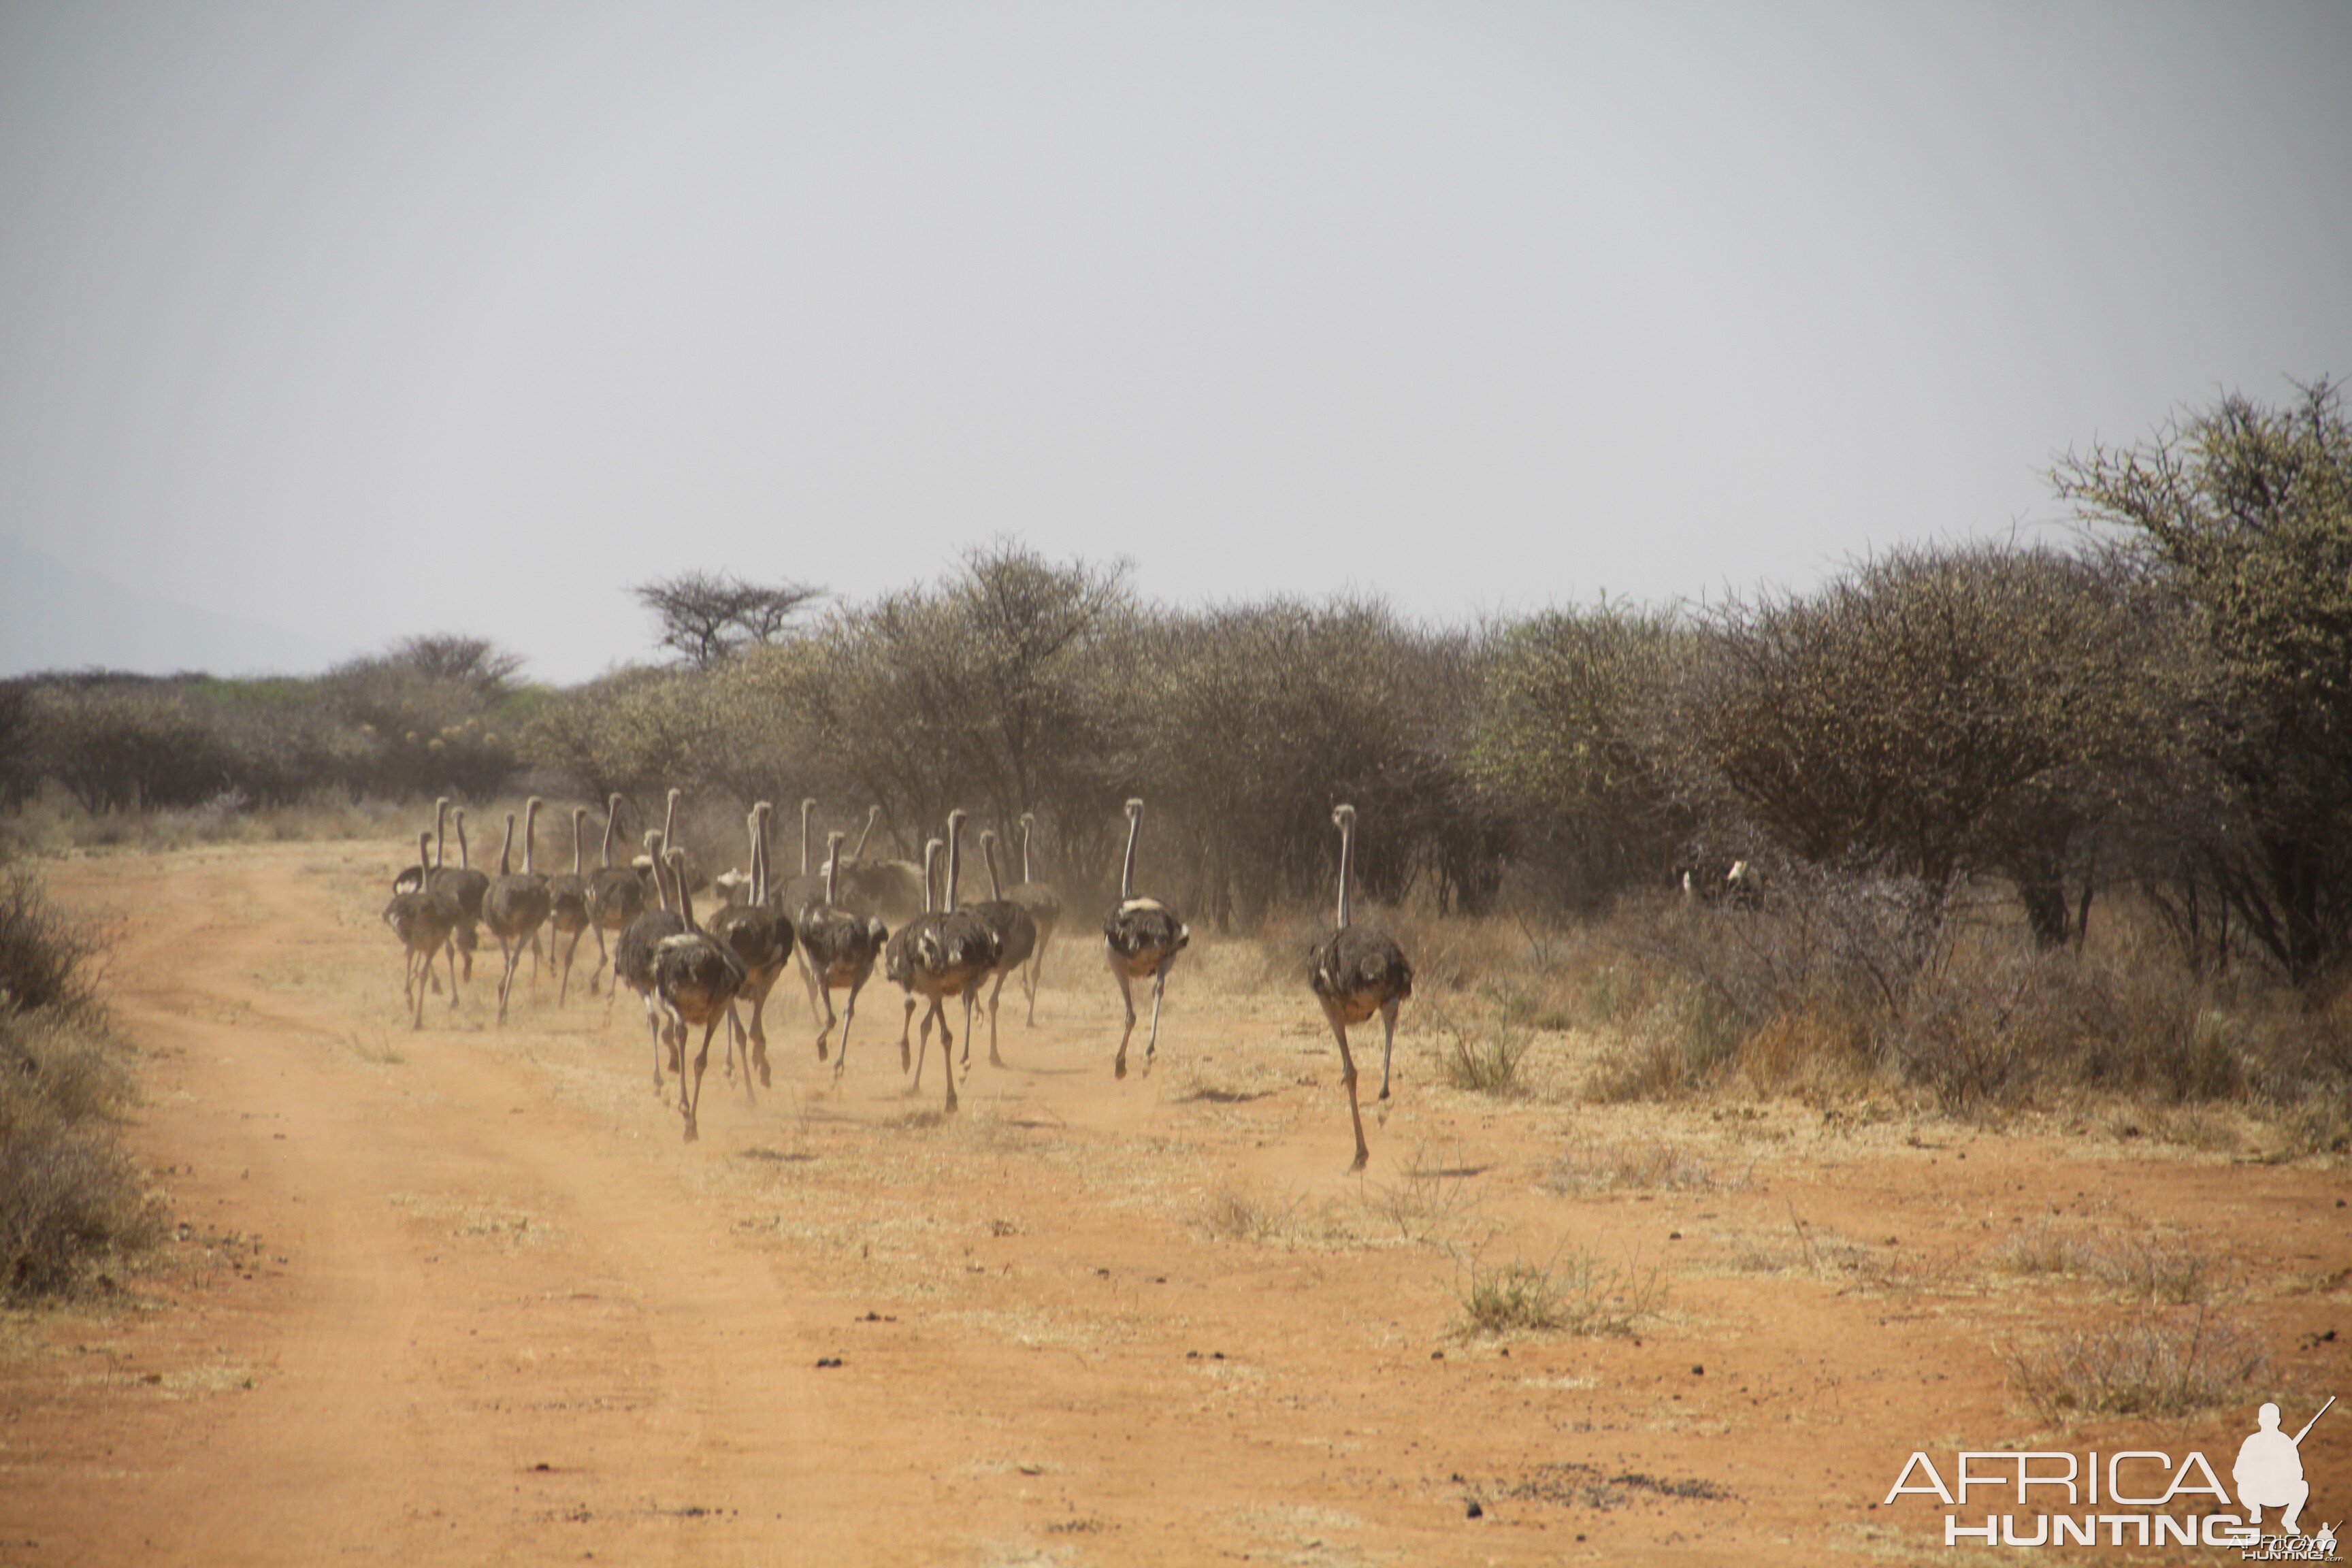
2245	512
708	616
995	691
1934	713
1576	734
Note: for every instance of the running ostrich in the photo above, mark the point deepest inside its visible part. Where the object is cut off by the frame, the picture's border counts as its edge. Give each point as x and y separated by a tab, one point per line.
840	949
952	952
761	942
617	896
1044	907
1140	937
568	915
1358	973
898	956
1017	939
692	875
793	899
696	979
633	956
461	882
516	903
895	890
423	917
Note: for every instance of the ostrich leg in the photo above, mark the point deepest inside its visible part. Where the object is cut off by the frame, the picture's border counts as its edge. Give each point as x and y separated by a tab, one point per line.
1388	1046
1151	1045
1347	1080
1127	998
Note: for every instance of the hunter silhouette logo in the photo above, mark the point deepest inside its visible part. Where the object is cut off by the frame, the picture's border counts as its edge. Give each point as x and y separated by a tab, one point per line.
2132	1496
2269	1471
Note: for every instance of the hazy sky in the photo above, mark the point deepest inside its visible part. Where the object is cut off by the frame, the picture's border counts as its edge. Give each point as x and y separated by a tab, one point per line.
366	320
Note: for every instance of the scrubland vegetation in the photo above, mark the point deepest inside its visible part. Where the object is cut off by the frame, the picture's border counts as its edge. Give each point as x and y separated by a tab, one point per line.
70	1198
2016	824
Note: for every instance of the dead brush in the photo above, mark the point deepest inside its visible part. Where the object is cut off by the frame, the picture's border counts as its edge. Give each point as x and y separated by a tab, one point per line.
1481	1058
2160	1270
2166	1365
1590	1165
1428	1202
1230	1214
1575	1294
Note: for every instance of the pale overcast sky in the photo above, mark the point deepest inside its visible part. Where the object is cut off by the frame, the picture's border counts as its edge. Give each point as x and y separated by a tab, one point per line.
360	319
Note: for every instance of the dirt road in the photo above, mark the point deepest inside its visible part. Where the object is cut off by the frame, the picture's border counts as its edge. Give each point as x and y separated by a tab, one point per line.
465	1296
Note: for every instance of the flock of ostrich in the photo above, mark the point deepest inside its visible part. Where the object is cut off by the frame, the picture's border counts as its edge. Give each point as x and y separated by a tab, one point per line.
829	923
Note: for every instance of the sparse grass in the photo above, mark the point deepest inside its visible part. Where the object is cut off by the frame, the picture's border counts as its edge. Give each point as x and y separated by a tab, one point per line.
1653	1165
1234	1214
1482	1057
1577	1294
1428	1202
2043	1250
1231	1215
2150	1366
2158	1270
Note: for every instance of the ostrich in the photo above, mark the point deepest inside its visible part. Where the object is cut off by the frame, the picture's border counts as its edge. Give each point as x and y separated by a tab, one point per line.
516	903
414	879
951	953
568	914
1044	907
795	897
895	890
1140	937
692	875
633	956
840	949
463	883
696	979
423	917
1359	971
1017	939
616	895
761	942
898	956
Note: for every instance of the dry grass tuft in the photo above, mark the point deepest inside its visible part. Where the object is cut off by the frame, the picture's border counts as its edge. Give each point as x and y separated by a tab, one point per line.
1652	1166
2158	1270
1577	1294
2150	1366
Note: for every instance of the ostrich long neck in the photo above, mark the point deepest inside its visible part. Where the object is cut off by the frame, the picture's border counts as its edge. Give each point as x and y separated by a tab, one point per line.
661	883
1126	868
612	816
1347	864
806	807
930	866
832	868
858	853
424	865
760	848
988	853
465	862
530	836
955	858
506	849
579	817
685	899
440	831
1026	826
669	822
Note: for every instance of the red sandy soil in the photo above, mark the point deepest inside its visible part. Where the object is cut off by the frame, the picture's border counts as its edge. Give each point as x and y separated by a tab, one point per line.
466	1296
